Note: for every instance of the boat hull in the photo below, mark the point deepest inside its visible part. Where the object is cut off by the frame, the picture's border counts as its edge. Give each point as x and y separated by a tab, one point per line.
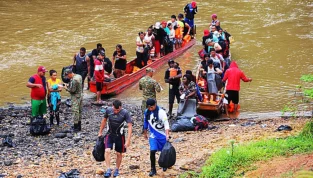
119	85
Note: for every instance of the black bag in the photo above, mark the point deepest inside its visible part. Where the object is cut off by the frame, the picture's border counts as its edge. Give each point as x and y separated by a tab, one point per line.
99	149
64	78
74	173
38	126
218	81
167	157
183	124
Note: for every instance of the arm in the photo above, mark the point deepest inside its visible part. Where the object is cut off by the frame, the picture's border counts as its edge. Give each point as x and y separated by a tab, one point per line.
138	42
225	76
244	78
140	85
102	126
88	65
167	76
113	61
217	23
74	59
73	86
166	126
145	126
30	83
187	25
157	87
130	130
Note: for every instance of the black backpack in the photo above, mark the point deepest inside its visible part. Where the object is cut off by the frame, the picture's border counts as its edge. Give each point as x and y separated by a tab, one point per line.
64	78
39	126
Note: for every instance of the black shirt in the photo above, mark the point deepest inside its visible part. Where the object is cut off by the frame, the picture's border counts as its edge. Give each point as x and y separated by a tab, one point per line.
185	28
190	14
176	81
120	63
108	65
117	121
159	35
204	65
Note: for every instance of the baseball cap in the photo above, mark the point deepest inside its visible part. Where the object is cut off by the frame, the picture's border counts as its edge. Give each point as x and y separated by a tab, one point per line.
214	16
157	25
150	102
149	69
206	32
170	61
164	22
193	4
68	71
42	69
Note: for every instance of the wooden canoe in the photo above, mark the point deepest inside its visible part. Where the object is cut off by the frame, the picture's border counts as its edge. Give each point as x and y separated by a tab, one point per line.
130	78
206	106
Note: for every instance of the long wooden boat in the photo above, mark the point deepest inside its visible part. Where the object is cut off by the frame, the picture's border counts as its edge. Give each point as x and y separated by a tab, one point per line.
117	86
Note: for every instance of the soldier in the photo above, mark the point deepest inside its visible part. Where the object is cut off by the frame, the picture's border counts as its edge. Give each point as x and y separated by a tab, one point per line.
149	87
75	89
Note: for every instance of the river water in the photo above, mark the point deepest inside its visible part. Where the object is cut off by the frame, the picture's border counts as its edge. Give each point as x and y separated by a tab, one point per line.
273	41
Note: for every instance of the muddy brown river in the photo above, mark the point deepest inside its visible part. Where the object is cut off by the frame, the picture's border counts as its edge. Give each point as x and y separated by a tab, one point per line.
273	41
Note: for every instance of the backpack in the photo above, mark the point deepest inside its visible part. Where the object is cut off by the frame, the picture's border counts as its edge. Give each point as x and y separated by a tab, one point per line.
39	126
200	122
64	78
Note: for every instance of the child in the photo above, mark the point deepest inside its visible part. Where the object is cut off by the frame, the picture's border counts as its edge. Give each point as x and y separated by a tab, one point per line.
54	98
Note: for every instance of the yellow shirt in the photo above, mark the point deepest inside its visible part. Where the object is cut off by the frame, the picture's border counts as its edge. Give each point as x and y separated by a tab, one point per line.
51	82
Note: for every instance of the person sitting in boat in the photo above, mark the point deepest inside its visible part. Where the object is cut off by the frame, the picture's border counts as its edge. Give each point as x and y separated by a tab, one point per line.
166	43
187	89
213	75
218	60
206	40
189	72
119	61
149	40
222	35
215	22
141	59
107	65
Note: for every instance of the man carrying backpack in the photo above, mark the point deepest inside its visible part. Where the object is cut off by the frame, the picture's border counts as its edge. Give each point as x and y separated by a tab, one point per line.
156	119
116	117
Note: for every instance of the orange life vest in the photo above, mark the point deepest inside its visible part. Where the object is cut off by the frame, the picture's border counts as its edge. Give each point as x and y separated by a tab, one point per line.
173	72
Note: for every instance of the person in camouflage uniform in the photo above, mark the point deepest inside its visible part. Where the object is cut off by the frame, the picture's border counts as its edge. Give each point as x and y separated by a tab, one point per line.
149	87
75	89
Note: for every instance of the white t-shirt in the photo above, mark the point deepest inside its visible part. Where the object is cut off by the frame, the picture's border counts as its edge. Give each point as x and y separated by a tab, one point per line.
158	128
139	48
172	34
148	39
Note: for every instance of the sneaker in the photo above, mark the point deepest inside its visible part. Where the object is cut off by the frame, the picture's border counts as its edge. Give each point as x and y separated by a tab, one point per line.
116	173
108	173
152	172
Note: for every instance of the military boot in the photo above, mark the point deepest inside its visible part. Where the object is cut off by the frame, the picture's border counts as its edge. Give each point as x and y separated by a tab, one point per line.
79	125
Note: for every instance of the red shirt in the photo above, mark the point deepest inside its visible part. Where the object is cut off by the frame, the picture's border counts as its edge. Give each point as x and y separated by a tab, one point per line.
99	71
38	93
233	76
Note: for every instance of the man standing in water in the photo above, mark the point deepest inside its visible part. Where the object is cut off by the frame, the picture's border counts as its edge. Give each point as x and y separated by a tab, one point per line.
149	87
172	77
76	91
37	83
82	63
156	120
116	117
233	76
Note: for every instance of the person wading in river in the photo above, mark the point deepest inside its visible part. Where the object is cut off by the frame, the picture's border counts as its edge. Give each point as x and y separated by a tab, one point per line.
82	64
116	117
233	76
172	77
37	83
156	120
76	90
149	87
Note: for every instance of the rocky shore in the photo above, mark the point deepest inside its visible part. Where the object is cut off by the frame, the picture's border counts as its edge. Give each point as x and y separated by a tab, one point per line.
62	150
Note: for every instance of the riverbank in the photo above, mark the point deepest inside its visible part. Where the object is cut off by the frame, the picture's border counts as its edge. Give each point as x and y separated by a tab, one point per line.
48	156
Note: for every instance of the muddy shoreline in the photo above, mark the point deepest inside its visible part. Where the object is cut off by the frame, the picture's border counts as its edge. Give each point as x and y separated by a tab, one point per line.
63	150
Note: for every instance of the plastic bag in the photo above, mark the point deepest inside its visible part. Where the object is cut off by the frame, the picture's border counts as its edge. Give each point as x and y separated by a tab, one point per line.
99	149
183	124
74	173
8	142
38	126
168	156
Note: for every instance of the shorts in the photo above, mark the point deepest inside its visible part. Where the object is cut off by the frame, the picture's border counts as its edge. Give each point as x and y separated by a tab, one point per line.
190	22
39	107
118	140
157	144
157	46
173	92
99	86
232	96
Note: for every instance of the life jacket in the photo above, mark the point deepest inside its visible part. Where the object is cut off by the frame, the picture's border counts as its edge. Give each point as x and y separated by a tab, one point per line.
178	34
38	93
173	72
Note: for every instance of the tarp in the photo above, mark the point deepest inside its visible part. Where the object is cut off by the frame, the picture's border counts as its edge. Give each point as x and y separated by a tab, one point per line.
187	108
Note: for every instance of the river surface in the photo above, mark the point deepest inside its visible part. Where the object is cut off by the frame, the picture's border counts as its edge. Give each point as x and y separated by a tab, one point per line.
273	41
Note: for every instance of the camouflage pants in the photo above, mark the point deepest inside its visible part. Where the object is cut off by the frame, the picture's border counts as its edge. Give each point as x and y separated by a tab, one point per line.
77	108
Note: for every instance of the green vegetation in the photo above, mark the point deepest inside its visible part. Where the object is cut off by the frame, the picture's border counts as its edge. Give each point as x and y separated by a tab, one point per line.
306	94
237	159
